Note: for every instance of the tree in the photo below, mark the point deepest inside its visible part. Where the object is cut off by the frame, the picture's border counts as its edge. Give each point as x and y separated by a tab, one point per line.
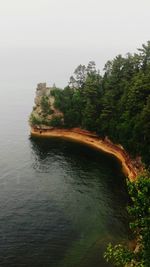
79	77
145	55
91	68
56	121
115	104
45	105
139	211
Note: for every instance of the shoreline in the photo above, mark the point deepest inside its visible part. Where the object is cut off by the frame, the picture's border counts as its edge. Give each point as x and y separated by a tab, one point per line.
91	139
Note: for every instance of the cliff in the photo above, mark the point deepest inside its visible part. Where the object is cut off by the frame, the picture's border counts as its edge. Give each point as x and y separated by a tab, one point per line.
43	122
130	167
44	113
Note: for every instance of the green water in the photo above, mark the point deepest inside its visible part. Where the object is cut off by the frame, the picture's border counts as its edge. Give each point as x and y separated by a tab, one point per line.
60	202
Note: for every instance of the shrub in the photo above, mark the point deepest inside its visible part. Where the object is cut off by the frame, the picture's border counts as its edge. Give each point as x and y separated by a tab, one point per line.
56	121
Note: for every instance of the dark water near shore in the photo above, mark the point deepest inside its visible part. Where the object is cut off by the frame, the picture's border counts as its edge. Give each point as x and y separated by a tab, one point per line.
60	202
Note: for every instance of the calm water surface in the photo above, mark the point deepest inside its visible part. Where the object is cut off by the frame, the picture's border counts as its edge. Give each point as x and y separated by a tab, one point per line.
60	202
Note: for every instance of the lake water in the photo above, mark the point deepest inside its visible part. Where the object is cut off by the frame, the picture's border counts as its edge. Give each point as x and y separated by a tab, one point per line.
60	202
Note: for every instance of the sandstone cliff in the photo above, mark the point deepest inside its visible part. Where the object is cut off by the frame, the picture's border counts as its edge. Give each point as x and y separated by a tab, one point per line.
44	114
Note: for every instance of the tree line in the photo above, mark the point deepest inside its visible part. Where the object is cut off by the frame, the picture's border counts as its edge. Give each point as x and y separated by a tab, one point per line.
115	104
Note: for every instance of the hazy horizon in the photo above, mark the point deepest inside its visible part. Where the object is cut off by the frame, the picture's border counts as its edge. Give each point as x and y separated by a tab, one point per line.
44	41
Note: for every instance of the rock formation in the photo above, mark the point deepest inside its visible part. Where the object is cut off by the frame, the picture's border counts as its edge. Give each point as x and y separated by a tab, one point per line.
44	112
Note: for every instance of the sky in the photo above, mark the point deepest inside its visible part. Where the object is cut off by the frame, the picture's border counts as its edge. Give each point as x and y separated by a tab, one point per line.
45	40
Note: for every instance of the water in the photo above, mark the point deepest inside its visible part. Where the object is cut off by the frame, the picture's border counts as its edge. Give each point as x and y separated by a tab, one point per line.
60	202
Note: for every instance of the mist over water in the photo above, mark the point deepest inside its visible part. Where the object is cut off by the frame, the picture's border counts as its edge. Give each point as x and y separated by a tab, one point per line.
25	66
60	202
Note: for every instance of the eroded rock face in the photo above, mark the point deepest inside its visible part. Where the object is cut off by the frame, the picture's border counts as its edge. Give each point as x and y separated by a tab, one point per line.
42	90
41	117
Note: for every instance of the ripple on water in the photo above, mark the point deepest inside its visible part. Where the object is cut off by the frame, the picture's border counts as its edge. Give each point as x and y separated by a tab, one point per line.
61	203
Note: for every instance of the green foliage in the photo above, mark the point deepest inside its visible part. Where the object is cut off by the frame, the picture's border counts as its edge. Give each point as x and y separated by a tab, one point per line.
45	106
37	121
118	255
56	121
34	120
116	105
80	101
139	211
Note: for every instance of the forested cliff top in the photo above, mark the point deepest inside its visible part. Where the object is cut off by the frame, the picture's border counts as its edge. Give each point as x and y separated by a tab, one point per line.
115	104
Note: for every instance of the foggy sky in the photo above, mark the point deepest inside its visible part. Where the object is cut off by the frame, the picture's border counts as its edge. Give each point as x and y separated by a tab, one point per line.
44	40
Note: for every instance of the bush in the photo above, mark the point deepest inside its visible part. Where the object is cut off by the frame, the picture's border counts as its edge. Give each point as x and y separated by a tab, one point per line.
45	106
35	120
56	121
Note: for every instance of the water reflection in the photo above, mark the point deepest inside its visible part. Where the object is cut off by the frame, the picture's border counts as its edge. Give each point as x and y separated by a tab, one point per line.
89	189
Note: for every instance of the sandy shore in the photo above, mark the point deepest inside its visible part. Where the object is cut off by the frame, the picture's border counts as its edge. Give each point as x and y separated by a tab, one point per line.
92	140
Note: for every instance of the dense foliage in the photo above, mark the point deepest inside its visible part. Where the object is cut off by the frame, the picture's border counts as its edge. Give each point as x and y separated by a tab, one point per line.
139	211
45	106
116	104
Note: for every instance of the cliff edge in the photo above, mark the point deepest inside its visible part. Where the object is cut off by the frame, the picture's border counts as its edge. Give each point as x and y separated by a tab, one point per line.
45	121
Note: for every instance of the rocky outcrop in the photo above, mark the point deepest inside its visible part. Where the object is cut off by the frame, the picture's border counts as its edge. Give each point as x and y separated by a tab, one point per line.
41	125
42	116
43	90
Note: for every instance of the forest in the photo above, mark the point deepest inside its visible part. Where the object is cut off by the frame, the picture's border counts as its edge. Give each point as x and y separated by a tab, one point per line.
115	104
